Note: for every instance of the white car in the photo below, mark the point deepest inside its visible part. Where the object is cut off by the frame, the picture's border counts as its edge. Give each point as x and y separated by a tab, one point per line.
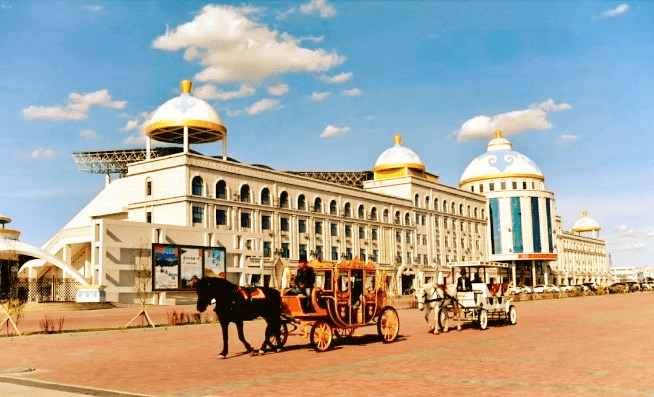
565	288
540	288
526	289
513	290
551	288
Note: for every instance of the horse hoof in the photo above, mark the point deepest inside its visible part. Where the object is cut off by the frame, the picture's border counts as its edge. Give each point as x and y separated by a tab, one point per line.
262	352
278	350
254	353
223	356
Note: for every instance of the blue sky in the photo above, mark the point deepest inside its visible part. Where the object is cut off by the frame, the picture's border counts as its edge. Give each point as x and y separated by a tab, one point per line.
326	84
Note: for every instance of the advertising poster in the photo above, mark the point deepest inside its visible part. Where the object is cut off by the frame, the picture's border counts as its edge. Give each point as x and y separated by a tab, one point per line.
191	264
214	262
166	267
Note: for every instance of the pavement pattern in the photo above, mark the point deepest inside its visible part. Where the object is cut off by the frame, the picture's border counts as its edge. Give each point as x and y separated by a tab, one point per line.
587	346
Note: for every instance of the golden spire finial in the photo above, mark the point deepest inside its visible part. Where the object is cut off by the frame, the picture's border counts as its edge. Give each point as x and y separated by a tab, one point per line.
397	139
584	213
498	134
186	86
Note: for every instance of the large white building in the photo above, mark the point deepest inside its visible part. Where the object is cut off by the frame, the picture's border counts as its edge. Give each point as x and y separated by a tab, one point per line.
398	215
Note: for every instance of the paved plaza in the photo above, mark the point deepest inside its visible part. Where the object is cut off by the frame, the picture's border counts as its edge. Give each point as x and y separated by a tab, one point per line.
586	346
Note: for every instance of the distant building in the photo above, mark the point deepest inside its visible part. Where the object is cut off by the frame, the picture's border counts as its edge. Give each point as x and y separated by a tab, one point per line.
398	215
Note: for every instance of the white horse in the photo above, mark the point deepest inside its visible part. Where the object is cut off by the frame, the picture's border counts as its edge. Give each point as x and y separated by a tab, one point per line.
432	298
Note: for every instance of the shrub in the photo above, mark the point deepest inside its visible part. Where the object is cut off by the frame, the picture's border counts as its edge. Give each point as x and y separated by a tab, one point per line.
51	326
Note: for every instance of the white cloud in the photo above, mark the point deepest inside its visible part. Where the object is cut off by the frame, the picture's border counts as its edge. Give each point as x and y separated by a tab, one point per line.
511	123
338	79
320	7
629	247
5	6
332	131
320	96
567	139
353	92
619	10
88	134
313	39
233	47
134	140
262	106
209	91
278	90
77	108
43	153
93	8
233	113
138	124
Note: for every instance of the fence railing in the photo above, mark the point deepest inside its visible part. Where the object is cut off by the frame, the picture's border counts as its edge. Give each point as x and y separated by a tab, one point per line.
48	290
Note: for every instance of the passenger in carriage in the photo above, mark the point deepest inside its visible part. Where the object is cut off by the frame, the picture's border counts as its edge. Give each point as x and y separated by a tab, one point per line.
477	279
304	282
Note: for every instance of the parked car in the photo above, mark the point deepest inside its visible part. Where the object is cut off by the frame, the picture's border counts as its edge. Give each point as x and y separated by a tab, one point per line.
591	286
633	286
513	290
565	288
526	289
539	289
618	288
551	288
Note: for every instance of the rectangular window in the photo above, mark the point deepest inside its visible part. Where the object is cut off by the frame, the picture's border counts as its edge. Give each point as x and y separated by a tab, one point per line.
524	185
245	220
318	251
398	236
362	232
348	231
374	256
333	228
491	186
283	224
362	254
424	219
548	203
535	224
334	253
494	214
221	217
198	214
302	226
472	188
503	185
318	228
348	253
148	217
514	185
373	234
265	222
266	249
303	251
417	219
285	250
408	237
481	188
516	214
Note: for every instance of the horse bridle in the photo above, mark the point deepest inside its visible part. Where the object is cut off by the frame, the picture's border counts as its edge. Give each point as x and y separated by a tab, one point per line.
424	295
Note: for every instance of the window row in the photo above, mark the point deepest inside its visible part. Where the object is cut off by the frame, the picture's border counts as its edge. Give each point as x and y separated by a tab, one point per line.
448	207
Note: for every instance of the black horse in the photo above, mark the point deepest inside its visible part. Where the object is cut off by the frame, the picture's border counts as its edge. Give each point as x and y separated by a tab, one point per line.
236	304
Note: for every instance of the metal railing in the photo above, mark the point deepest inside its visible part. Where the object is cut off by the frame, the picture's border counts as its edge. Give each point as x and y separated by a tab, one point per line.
49	290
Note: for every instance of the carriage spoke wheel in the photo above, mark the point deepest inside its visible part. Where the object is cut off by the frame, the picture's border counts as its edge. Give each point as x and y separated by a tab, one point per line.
388	325
483	319
443	320
513	315
283	337
322	336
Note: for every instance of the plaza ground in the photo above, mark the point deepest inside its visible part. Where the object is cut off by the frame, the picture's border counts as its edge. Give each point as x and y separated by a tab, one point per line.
587	346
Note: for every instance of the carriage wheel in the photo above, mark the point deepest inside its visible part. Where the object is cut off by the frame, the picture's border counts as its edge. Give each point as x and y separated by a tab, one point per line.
513	315
283	337
483	319
388	325
443	320
322	336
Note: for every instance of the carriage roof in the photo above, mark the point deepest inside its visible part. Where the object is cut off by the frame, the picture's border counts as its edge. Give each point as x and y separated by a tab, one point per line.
355	263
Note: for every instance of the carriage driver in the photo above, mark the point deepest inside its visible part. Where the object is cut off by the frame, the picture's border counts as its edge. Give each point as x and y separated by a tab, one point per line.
304	281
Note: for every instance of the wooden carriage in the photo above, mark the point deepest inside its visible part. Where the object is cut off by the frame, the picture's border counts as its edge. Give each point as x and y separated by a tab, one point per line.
347	295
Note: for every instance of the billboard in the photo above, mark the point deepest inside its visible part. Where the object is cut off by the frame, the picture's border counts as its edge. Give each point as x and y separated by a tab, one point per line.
174	266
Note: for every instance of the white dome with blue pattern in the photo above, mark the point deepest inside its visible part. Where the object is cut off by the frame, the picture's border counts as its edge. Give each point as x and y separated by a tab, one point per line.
500	161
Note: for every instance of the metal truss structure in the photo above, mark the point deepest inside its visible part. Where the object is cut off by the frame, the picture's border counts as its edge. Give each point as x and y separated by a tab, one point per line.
350	178
116	161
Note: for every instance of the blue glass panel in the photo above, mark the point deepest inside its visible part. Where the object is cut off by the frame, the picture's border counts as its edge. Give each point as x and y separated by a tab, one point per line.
549	223
535	223
496	239
516	214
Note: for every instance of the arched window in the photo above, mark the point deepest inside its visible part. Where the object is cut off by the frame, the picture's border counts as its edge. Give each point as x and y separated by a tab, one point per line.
348	210
461	210
469	213
483	214
445	206
283	200
245	194
385	215
317	204
265	196
453	208
475	212
407	219
221	190
435	204
197	186
416	200
301	202
427	202
397	217
373	214
362	212
332	207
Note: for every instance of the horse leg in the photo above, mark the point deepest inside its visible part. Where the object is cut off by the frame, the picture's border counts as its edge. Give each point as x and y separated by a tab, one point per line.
427	313
225	328
241	337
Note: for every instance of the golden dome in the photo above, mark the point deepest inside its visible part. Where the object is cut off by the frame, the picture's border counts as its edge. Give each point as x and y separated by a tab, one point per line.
203	123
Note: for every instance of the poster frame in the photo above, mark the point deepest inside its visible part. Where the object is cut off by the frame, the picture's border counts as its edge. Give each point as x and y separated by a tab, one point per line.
179	263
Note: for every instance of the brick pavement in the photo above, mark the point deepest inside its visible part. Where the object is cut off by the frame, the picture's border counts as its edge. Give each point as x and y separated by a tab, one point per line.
583	347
